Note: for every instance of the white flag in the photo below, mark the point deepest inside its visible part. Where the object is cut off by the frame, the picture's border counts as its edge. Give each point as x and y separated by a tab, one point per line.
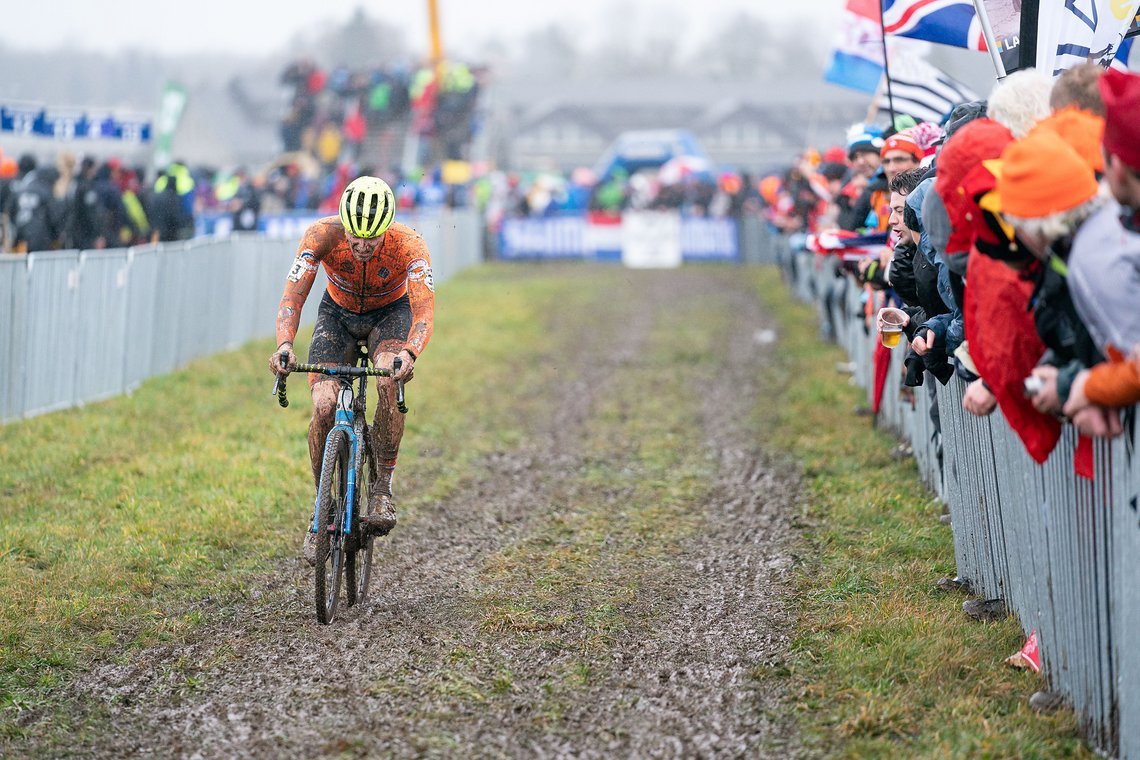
1073	32
921	90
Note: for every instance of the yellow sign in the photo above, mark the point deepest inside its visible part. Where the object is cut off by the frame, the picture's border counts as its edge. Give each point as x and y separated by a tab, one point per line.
456	172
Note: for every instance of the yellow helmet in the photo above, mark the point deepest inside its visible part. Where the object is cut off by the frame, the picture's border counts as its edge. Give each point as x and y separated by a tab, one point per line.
367	207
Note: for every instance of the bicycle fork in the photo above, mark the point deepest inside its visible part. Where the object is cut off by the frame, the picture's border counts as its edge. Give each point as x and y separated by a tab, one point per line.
344	421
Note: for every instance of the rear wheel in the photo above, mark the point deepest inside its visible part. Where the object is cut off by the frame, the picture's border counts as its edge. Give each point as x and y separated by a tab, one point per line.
358	563
331	504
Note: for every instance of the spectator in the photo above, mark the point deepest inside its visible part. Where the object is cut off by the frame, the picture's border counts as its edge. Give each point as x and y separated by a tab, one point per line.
8	176
37	217
1020	100
1077	87
872	211
1047	191
863	145
167	212
1105	269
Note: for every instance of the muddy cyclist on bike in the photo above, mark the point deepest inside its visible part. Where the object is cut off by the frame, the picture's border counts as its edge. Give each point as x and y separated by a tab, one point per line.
380	291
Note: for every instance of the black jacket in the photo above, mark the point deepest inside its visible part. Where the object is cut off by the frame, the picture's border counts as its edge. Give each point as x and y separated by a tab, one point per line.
855	218
37	217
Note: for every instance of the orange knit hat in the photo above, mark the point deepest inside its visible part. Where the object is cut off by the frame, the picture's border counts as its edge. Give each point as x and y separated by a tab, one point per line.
904	142
1041	175
1082	130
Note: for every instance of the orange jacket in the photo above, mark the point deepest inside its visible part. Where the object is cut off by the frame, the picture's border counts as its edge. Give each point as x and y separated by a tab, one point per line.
401	266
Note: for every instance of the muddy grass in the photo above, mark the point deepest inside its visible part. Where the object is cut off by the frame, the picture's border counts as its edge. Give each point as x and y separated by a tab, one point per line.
616	584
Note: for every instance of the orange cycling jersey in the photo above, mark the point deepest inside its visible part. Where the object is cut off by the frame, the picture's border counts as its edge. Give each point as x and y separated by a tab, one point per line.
401	266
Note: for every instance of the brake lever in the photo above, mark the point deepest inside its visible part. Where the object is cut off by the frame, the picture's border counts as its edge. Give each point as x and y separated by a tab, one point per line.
397	362
279	384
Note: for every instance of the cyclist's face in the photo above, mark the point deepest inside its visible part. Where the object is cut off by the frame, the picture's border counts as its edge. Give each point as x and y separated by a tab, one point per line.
363	249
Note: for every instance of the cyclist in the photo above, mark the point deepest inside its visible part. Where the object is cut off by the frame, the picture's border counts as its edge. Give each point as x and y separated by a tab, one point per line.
380	290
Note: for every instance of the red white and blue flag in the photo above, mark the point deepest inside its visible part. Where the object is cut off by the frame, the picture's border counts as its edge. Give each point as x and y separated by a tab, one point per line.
857	61
948	22
845	244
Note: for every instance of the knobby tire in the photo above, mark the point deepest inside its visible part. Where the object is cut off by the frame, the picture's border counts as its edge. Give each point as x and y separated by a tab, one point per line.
330	519
358	562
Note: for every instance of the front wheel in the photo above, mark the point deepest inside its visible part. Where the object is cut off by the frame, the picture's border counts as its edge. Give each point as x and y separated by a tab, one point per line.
358	562
332	500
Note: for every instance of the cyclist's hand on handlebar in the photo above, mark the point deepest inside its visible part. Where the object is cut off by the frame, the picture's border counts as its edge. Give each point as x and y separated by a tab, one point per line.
407	366
281	359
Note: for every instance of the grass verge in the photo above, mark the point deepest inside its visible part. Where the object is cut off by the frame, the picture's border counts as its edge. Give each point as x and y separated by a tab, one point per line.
884	663
123	520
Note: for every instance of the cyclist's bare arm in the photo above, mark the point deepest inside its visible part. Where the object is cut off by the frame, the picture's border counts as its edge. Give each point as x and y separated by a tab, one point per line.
300	281
421	298
302	275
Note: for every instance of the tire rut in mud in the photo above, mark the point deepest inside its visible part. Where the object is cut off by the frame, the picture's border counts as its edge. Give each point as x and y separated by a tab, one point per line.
686	675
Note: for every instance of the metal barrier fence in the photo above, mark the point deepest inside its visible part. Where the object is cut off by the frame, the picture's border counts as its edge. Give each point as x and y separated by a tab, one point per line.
1062	552
81	326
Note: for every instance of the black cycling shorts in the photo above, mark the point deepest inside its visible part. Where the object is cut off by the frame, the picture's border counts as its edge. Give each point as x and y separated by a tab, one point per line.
338	329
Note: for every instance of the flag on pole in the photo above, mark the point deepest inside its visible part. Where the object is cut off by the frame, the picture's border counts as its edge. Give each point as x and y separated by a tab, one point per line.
922	90
169	114
1070	33
857	62
948	22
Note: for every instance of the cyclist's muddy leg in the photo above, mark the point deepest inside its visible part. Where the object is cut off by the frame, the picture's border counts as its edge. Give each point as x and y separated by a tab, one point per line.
324	415
388	429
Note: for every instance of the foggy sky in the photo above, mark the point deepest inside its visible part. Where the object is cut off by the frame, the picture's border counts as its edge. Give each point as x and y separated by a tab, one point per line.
260	26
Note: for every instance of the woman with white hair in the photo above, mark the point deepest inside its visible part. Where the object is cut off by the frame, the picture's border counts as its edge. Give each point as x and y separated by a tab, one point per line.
1020	100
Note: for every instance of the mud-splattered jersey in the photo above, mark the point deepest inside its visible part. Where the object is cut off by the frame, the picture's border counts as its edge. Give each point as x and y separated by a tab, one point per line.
401	265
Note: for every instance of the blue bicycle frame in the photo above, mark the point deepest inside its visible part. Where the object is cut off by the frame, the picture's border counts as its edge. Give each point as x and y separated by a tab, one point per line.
346	421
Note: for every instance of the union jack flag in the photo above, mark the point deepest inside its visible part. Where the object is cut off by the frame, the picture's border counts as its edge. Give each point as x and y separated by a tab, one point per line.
949	22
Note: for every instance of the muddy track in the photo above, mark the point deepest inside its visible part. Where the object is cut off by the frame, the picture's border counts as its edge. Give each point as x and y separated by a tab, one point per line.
686	675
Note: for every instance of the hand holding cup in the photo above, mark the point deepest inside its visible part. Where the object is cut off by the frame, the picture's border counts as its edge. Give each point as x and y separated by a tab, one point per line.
890	322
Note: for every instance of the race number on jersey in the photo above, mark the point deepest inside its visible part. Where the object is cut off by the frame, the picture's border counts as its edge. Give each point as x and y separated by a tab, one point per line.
305	262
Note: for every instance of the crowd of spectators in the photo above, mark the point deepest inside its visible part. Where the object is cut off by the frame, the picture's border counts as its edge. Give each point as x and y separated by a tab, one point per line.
86	203
700	192
332	119
332	113
1005	241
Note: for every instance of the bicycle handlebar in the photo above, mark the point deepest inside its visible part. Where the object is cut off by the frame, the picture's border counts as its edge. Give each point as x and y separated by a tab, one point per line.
339	370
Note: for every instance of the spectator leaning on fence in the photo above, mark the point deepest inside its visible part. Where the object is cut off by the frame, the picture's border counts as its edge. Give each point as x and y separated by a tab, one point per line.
1047	191
872	210
1104	268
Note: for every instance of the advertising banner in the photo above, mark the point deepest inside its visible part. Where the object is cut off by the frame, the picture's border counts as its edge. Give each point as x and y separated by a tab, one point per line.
31	120
651	240
611	238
